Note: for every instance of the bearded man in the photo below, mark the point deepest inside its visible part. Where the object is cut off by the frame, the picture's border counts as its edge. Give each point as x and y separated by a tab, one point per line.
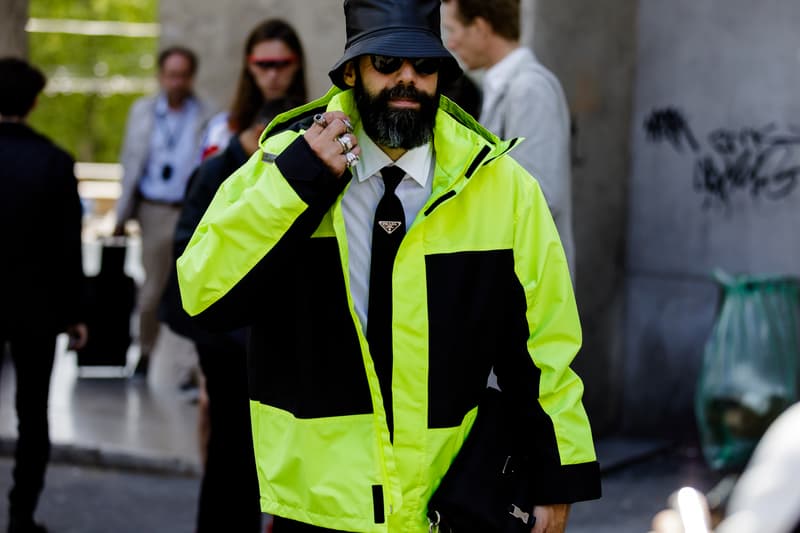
389	257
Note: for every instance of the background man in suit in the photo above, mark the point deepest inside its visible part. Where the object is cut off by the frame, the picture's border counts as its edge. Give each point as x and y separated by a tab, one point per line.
40	214
521	98
160	151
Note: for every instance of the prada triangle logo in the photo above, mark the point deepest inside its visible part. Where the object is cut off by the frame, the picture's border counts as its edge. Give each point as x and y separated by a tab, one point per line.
389	226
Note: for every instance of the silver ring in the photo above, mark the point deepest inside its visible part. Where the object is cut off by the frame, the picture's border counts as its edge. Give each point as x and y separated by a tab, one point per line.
345	142
347	125
351	158
319	120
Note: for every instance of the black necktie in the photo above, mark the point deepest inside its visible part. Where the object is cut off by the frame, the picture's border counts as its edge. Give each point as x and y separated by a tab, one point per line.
388	230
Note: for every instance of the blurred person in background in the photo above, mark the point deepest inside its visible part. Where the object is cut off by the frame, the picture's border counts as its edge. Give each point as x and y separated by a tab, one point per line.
521	98
40	217
272	81
273	69
764	499
162	139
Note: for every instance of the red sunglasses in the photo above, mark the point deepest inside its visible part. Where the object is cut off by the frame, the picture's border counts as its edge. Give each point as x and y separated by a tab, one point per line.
388	64
272	62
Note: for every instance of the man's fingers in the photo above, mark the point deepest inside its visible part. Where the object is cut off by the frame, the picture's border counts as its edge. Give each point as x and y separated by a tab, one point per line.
334	129
331	118
337	116
332	140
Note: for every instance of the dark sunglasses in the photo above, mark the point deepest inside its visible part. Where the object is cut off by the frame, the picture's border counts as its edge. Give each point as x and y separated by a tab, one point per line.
272	62
389	64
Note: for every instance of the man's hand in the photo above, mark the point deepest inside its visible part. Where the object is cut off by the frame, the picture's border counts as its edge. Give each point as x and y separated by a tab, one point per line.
78	335
326	144
550	518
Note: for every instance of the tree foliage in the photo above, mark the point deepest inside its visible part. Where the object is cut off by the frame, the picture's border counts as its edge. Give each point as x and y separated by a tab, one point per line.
90	125
119	10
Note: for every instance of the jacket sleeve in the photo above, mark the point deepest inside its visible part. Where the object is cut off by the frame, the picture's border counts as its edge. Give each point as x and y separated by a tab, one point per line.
68	215
565	467
200	190
132	159
246	237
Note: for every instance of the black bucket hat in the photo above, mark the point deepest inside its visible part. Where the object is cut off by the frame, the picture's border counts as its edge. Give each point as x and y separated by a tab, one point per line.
399	28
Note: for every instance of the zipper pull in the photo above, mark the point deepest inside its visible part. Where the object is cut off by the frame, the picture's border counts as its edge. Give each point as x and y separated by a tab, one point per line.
433	525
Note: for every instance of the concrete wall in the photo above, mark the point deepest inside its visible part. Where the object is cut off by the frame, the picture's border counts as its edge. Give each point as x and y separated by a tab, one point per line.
716	161
217	31
13	39
591	47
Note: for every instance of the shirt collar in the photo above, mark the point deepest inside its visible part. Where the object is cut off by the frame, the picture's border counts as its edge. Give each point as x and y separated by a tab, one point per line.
415	162
501	72
162	108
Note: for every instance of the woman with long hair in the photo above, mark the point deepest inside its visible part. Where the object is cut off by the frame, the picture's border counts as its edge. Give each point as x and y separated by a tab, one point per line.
272	74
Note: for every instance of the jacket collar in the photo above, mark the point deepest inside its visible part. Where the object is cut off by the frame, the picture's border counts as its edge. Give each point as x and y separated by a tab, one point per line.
17	129
498	76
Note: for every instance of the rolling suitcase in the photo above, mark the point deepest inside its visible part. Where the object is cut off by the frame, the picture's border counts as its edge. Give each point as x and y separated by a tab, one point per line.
111	298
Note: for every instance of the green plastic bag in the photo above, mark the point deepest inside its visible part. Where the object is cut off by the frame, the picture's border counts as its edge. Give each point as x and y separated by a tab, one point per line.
750	366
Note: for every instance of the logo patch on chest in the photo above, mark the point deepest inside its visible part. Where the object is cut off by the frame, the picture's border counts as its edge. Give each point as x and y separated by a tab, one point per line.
389	226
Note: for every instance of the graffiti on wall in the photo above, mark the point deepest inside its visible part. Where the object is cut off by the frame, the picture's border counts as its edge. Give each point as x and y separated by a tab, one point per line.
762	162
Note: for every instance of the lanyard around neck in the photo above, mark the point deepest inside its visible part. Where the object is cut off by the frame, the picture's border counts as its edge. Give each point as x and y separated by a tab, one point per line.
172	136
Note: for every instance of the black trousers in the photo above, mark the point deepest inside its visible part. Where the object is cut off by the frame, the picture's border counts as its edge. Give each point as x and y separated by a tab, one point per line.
32	354
229	497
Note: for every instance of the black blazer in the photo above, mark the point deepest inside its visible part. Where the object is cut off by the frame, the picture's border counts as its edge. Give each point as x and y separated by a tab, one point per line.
200	191
40	227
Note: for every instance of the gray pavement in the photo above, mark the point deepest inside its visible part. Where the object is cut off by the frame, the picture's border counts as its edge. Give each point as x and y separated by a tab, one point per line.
81	499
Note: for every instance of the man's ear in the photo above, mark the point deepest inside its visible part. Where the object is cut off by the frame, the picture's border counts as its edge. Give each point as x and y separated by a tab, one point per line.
349	74
483	26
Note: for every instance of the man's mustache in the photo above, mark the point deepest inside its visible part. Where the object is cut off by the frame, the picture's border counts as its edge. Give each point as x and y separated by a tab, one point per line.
402	92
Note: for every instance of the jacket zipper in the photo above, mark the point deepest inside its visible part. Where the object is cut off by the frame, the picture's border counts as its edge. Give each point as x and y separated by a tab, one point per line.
467	175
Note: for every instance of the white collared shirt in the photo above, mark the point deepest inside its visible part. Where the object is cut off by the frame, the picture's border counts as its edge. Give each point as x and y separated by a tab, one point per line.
497	77
173	144
361	200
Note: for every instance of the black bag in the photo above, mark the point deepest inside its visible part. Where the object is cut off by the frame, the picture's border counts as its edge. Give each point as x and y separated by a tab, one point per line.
487	489
111	298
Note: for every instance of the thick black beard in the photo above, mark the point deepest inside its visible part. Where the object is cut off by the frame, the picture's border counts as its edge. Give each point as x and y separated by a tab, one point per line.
397	128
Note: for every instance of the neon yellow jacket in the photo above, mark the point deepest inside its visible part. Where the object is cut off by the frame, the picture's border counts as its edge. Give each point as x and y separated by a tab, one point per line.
480	282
